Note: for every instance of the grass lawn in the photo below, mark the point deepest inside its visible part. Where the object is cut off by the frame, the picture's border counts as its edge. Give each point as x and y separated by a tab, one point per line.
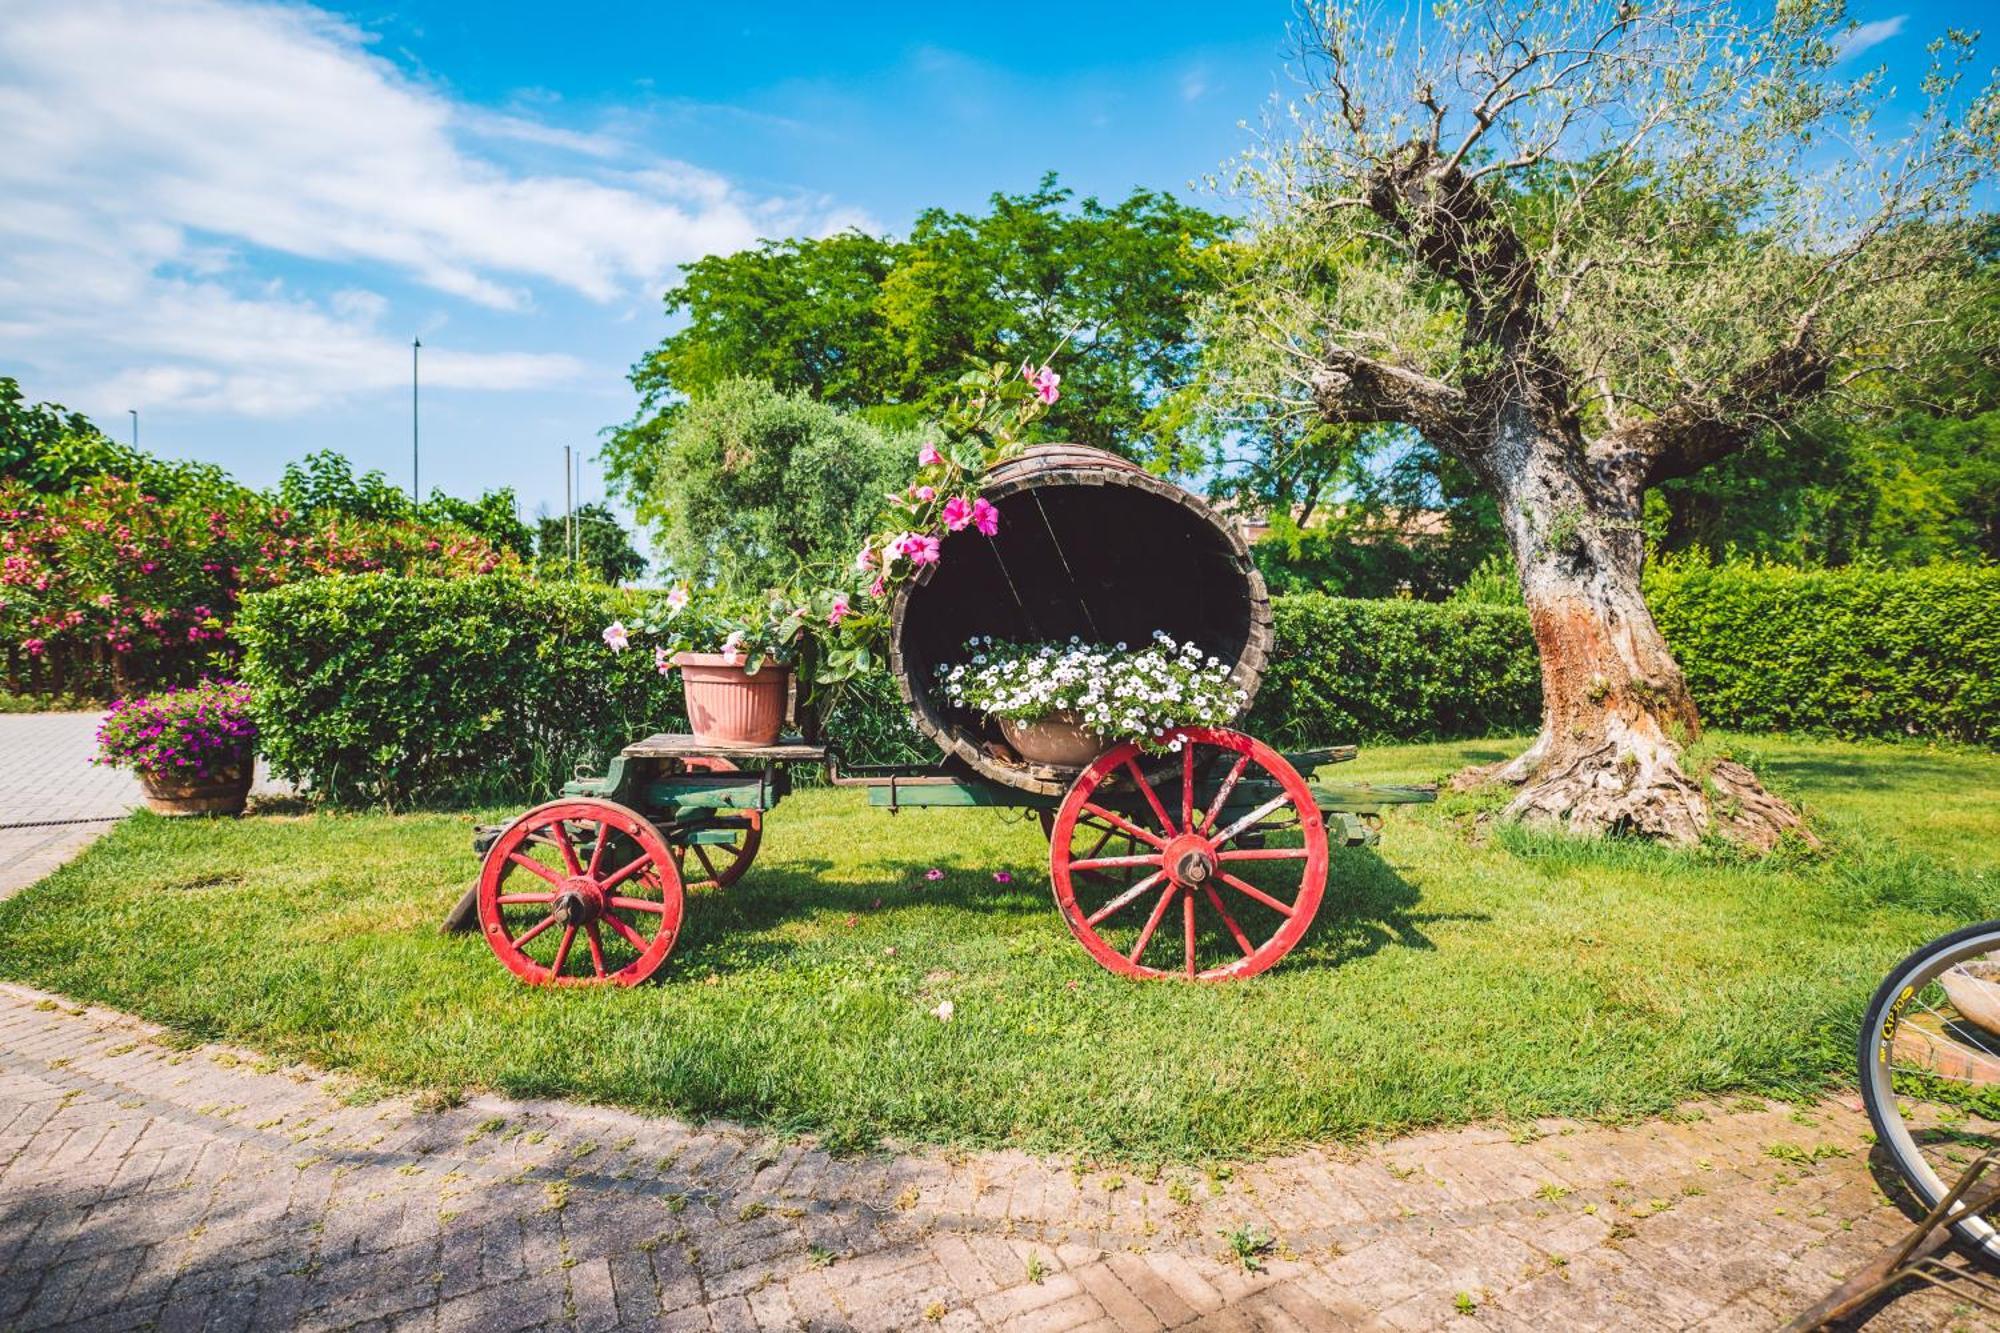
1452	975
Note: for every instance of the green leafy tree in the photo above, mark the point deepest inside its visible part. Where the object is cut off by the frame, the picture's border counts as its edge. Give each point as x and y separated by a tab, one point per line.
604	548
888	326
751	486
1590	249
324	482
52	449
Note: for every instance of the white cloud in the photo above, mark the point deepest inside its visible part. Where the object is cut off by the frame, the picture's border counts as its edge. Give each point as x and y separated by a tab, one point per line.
1868	36
159	153
1194	85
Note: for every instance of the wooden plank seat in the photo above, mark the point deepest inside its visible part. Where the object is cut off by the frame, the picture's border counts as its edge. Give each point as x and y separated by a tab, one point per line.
675	745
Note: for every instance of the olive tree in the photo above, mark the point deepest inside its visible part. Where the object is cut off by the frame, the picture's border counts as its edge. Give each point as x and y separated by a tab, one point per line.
1586	247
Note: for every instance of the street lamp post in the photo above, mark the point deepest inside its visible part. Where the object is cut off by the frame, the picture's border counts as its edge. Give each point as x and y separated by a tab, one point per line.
135	428
416	346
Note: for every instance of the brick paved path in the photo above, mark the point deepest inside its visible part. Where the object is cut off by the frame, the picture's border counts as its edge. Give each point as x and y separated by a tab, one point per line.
53	800
141	1185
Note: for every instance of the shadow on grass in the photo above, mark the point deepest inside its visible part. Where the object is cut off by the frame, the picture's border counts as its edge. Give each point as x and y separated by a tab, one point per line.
1367	908
1866	771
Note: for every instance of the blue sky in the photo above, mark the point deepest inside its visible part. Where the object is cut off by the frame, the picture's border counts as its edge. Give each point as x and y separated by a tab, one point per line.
234	217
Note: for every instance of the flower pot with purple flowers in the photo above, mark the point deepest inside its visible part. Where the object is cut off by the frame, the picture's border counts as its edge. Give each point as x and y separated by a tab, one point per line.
193	749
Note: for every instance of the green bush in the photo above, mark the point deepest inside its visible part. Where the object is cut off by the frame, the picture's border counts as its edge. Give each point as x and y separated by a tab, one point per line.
374	689
1352	670
382	690
1850	652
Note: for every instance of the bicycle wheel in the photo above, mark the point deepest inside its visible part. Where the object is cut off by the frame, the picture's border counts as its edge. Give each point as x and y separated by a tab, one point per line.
1930	1066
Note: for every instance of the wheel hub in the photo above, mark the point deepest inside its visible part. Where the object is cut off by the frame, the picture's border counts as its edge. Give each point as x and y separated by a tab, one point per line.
579	902
1189	860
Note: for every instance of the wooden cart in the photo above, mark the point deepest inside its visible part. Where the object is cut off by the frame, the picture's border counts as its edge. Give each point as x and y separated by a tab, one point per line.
1207	862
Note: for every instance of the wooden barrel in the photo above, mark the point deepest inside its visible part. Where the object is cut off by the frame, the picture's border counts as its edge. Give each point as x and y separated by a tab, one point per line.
1089	545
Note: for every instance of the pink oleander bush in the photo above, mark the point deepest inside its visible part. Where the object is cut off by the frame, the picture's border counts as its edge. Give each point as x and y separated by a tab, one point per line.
114	585
199	733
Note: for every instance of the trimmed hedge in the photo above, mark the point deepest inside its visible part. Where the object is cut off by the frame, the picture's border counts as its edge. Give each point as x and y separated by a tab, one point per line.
1350	670
1851	652
383	690
380	690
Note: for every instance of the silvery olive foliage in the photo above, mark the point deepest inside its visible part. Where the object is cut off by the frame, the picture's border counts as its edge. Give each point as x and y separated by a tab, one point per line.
1682	198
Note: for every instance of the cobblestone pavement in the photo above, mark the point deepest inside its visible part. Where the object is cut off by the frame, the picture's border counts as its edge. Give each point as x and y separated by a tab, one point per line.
146	1185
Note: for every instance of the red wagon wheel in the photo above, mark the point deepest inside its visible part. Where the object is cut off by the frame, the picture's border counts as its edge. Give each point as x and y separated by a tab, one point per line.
723	862
580	892
1230	845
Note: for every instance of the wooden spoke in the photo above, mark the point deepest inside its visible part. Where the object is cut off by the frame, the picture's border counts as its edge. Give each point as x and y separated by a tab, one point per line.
632	937
1125	825
1251	820
1252	891
1126	897
567	848
509	899
530	863
536	929
701	854
1187	919
596	946
1264	854
562	949
619	877
1152	923
1152	798
597	849
1112	862
638	905
1222	796
1187	786
1242	940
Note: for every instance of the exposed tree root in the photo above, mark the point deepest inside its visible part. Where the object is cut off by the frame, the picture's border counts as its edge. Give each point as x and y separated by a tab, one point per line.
1636	783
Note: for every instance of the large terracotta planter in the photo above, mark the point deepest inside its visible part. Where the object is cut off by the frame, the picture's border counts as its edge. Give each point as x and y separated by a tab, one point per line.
728	705
1058	740
220	793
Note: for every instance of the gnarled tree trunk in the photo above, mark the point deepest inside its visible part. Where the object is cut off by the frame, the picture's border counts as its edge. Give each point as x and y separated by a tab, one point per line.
1617	717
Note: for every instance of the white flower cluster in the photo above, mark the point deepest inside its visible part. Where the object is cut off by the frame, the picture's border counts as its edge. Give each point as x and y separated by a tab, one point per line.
1117	691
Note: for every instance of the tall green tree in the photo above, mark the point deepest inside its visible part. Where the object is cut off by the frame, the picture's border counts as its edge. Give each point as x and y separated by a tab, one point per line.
604	548
885	326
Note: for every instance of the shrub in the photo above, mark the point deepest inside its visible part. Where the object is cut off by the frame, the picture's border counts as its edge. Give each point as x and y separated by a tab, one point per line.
375	689
1351	670
1851	652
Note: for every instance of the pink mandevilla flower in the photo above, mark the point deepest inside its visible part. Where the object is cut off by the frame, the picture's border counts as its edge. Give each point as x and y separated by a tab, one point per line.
957	513
840	611
663	661
864	560
616	638
985	517
925	493
928	456
677	597
1043	382
732	648
922	548
877	588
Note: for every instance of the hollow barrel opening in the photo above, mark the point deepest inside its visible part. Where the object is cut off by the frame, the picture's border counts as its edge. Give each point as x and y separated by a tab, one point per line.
1089	546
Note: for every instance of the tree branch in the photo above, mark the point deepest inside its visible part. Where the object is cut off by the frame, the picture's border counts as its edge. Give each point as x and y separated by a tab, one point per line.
1699	430
1350	389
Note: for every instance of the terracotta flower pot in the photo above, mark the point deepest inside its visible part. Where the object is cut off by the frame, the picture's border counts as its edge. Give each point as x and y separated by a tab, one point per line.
223	791
729	705
1058	740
